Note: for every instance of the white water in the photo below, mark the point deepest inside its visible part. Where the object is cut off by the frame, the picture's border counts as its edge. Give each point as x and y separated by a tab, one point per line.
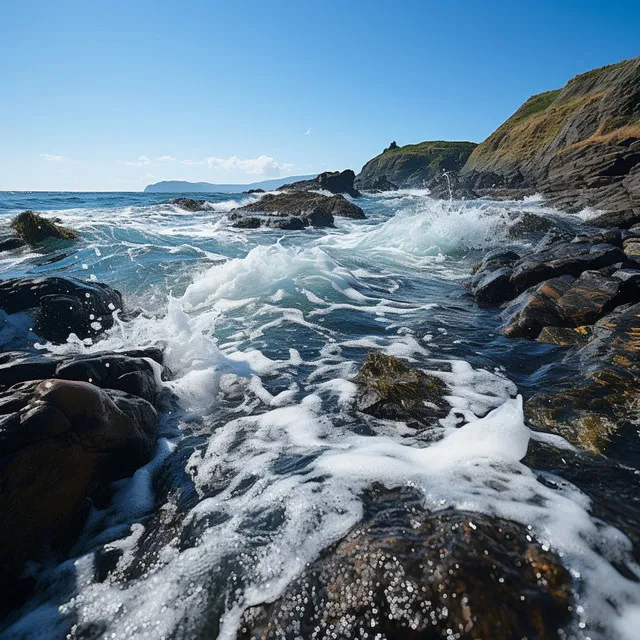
263	335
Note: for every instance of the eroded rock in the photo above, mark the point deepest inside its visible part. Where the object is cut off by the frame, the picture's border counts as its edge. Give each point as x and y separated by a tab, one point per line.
34	229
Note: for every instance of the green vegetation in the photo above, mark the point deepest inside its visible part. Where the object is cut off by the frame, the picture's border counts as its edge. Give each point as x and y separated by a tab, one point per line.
34	229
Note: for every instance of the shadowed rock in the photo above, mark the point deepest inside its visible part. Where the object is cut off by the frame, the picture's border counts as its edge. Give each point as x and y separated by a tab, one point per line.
189	204
332	181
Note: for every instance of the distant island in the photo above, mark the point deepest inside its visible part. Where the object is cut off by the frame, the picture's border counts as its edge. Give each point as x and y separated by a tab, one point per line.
182	186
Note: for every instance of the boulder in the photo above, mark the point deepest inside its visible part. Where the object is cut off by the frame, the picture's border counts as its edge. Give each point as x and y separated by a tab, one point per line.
63	443
332	181
381	184
529	223
34	229
389	388
536	308
617	219
405	573
189	204
61	306
10	240
314	209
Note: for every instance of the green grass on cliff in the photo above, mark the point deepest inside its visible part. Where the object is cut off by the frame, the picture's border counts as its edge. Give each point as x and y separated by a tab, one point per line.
435	147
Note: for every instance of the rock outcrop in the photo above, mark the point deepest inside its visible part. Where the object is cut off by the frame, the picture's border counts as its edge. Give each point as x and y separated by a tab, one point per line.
60	306
295	210
332	181
579	145
389	388
418	166
189	204
406	573
34	229
68	428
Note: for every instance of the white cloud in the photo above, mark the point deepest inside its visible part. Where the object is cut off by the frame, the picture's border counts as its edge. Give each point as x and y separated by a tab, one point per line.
307	132
262	165
192	163
48	156
142	161
165	159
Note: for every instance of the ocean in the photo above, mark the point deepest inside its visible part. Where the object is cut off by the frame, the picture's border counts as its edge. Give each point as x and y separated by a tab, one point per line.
262	459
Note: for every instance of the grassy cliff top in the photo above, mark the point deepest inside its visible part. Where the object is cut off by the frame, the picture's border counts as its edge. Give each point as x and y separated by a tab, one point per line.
430	147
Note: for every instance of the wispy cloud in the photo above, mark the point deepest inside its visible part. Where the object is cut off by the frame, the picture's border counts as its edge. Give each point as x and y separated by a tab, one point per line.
192	163
142	161
52	158
307	132
262	165
165	159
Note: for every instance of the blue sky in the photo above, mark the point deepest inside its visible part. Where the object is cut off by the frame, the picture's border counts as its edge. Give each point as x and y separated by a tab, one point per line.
113	95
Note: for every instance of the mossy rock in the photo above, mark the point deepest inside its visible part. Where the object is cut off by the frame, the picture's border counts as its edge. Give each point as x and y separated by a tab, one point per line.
389	388
34	229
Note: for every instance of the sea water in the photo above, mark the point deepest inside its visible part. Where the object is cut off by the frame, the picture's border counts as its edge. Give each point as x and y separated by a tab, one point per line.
262	459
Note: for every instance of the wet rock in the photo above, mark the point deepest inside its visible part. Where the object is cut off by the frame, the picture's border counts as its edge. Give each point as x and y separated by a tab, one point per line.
618	219
332	181
603	398
254	191
405	574
389	388
632	248
304	204
553	237
565	336
529	223
34	229
63	443
564	258
381	184
246	222
10	241
189	204
491	282
536	308
61	306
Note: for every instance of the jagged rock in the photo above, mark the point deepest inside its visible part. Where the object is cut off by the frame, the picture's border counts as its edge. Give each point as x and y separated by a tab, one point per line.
61	306
631	248
404	573
10	241
332	181
491	282
312	208
536	308
598	404
617	219
565	336
34	229
388	388
63	443
189	204
254	191
381	184
564	258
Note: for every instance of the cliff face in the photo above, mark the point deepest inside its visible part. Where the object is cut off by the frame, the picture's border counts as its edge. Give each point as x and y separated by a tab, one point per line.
579	145
414	166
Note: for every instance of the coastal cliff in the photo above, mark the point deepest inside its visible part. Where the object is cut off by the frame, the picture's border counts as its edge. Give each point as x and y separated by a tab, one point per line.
579	145
414	166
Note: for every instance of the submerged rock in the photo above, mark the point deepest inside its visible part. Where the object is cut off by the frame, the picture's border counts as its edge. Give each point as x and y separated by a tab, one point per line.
189	204
332	181
35	229
389	388
10	241
61	306
404	573
63	443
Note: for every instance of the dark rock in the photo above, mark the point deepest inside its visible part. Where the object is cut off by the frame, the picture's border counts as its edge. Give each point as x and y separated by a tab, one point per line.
246	222
62	445
381	184
492	286
565	336
528	223
305	205
552	237
616	219
563	259
34	229
290	223
404	573
332	181
391	147
388	388
254	191
189	204
536	308
61	306
597	405
10	241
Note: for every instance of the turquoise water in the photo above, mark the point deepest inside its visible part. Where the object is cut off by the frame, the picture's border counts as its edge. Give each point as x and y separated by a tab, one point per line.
262	458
